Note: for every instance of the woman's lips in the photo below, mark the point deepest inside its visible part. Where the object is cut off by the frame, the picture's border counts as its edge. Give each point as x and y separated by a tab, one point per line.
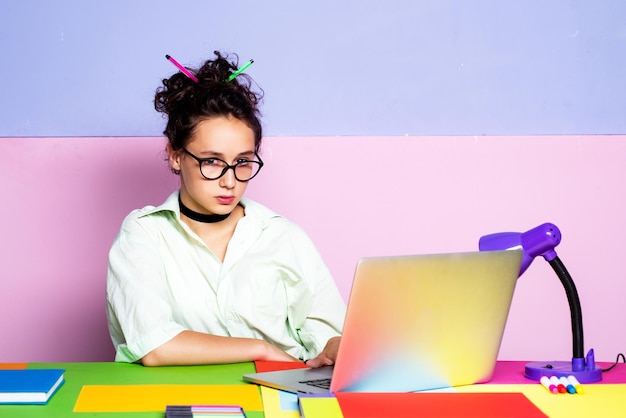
225	200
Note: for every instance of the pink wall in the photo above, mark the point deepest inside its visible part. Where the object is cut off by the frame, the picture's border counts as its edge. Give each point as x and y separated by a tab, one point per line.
64	199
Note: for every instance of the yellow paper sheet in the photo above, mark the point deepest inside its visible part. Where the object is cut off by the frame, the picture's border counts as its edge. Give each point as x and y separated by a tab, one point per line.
320	408
597	399
147	398
272	407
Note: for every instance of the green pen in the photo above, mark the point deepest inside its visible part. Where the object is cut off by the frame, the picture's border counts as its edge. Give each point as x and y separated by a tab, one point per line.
240	70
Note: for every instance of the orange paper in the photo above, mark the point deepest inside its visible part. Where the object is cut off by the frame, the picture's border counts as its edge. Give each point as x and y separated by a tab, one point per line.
147	398
13	366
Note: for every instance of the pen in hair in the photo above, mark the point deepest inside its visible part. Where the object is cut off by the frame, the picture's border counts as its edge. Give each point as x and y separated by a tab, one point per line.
182	69
240	70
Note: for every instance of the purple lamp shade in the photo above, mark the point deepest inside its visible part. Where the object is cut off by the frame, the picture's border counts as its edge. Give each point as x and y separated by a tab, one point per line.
540	240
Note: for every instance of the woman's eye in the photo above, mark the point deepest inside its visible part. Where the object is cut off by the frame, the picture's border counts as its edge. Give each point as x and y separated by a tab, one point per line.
211	162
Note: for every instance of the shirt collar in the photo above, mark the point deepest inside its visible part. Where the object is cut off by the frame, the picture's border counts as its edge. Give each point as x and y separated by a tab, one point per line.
170	205
254	211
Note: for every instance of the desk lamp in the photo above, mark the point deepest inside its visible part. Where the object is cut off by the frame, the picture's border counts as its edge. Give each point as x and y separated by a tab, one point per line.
541	240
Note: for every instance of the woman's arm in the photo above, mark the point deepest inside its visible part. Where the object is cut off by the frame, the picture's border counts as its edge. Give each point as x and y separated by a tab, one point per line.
193	348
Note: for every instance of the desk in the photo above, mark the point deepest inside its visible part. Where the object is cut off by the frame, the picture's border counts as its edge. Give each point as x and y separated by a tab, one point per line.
78	374
507	378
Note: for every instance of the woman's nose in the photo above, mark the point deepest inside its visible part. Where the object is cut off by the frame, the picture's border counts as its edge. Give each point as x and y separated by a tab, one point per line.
228	180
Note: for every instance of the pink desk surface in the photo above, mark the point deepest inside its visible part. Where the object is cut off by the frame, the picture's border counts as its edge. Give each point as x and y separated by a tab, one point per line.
606	398
512	372
506	372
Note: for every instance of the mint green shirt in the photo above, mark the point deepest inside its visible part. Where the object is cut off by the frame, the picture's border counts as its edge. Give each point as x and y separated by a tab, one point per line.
273	284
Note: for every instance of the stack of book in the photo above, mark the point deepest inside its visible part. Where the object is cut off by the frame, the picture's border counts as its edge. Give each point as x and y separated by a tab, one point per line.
190	411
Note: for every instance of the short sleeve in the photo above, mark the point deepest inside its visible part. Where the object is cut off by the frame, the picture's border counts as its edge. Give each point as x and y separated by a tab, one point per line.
139	315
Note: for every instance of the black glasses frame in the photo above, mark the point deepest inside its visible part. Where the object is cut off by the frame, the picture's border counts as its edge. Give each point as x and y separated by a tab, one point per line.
226	165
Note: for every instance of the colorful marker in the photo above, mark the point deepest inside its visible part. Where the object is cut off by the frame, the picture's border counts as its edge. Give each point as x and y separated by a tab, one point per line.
240	70
545	381
182	69
572	379
565	382
555	381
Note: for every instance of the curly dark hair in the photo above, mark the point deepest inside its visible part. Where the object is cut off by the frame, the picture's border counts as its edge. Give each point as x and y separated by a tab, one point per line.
187	103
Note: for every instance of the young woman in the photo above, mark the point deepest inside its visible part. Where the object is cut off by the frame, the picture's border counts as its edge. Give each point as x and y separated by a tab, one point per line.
210	276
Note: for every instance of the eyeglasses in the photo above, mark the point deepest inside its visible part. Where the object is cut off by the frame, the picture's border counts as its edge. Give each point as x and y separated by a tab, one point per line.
214	168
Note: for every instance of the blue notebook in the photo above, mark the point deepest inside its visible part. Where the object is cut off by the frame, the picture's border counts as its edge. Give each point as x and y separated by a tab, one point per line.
31	386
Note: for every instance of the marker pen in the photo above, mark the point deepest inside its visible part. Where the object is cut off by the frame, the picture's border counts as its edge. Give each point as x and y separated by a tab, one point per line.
572	379
555	381
182	69
565	382
545	381
240	70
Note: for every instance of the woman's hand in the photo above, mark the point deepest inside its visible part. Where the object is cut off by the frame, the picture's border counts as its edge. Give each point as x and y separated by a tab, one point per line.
328	356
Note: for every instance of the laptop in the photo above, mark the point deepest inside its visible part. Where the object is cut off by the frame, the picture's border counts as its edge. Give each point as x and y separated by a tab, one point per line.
415	323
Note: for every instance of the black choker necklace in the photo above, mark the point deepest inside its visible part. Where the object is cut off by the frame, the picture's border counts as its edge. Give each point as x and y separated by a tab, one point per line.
200	217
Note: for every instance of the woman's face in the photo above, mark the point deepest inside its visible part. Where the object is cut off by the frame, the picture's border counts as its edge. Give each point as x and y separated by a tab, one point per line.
227	139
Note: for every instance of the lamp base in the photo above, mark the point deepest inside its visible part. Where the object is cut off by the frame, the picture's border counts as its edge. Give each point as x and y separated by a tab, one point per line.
537	369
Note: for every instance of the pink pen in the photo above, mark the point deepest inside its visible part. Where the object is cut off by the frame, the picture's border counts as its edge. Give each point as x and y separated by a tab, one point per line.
545	381
555	381
182	69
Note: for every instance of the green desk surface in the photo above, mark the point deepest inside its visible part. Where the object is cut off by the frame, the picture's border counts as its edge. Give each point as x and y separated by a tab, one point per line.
78	374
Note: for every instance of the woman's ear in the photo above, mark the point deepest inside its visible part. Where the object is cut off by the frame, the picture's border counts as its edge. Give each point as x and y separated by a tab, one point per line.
173	158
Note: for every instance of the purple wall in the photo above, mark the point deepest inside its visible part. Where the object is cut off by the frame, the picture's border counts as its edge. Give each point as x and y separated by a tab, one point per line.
379	68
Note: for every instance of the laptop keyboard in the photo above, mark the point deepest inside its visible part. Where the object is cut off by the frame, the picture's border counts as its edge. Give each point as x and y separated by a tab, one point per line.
318	383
